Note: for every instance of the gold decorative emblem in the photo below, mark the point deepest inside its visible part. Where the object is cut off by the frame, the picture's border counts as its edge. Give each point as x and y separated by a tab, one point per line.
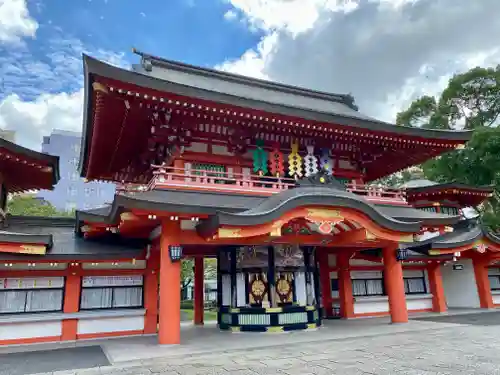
229	233
32	249
321	214
258	288
276	229
284	288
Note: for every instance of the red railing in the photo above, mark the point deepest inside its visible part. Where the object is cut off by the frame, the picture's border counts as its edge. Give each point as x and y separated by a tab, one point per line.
202	180
169	177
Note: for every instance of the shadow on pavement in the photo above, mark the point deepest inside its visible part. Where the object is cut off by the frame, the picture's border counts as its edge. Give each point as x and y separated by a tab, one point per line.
480	319
25	363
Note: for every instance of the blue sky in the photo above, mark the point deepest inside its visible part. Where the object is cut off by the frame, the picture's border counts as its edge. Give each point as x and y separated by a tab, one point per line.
384	52
192	31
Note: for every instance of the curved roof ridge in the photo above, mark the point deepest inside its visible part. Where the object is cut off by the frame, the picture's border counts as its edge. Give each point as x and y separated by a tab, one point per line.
275	206
346	99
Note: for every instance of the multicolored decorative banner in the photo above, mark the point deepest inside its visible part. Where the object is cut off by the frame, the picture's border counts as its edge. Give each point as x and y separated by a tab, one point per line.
310	162
294	161
326	162
276	161
260	158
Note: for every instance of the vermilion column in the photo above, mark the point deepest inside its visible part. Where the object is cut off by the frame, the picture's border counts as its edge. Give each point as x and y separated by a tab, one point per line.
199	286
436	286
169	331
482	282
326	287
394	285
151	293
345	286
71	302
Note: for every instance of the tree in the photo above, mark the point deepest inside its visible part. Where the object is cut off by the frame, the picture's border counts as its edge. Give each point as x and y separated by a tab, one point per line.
27	205
470	101
187	271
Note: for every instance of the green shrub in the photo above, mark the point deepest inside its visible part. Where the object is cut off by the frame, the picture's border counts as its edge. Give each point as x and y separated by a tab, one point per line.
187	305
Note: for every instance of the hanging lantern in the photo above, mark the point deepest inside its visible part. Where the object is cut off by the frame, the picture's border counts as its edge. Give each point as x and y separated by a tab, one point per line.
402	254
175	252
260	158
294	161
276	161
310	162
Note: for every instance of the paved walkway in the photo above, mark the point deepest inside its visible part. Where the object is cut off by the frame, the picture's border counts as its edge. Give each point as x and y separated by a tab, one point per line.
469	345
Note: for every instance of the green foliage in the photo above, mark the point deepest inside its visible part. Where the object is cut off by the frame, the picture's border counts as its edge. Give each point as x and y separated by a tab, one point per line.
187	304
472	98
471	101
27	205
420	113
187	270
210	268
395	180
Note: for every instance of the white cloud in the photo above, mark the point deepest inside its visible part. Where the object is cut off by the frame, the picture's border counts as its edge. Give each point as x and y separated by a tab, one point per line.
44	95
230	15
15	21
384	52
33	119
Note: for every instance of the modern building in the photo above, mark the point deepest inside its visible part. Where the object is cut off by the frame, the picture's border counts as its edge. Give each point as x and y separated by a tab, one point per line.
8	135
271	180
72	192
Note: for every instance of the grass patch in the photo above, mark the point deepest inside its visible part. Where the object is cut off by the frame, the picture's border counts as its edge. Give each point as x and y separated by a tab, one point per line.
188	314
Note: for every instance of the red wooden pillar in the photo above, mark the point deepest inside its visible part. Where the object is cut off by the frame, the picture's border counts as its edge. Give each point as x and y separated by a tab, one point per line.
199	286
151	293
394	285
482	282
436	286
71	304
326	287
345	286
169	331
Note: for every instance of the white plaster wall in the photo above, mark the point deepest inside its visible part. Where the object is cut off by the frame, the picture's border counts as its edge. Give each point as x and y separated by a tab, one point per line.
30	330
105	325
416	302
459	286
495	294
365	305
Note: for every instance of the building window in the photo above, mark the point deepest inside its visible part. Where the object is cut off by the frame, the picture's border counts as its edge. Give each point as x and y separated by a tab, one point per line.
70	206
73	162
72	191
367	287
428	209
89	191
211	170
415	285
452	211
29	295
494	282
111	292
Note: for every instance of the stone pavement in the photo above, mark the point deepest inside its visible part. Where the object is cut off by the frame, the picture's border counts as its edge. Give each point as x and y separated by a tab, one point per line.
467	347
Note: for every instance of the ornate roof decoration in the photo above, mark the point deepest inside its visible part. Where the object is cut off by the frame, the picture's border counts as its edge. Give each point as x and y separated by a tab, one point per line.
321	178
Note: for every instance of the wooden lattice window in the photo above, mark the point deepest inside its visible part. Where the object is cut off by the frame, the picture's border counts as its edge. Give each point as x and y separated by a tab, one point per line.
212	170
